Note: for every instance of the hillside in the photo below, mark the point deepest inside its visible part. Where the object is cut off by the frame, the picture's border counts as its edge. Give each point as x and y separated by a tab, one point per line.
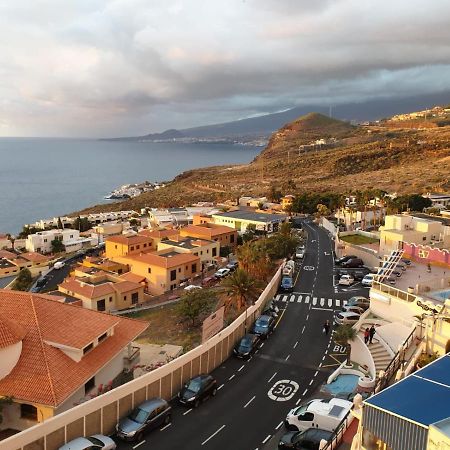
316	154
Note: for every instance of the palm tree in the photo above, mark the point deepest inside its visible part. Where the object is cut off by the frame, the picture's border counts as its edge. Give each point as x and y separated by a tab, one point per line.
343	335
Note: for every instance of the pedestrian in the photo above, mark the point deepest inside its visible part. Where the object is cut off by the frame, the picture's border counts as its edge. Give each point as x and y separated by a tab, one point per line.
326	327
371	334
366	335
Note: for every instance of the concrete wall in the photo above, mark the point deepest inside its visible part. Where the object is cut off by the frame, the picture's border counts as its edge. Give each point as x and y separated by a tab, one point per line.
101	414
329	226
369	257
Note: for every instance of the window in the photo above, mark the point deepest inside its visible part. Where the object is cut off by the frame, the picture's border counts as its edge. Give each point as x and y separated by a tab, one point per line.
134	298
45	240
145	245
132	248
138	247
89	385
101	305
110	299
307	416
115	247
149	270
179	269
28	412
214	251
87	348
232	238
102	337
194	268
173	275
125	298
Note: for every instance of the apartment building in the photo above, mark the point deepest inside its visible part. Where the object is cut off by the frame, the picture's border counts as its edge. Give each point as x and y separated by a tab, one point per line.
132	244
104	264
11	263
241	219
412	229
158	235
55	356
41	242
163	270
225	236
103	230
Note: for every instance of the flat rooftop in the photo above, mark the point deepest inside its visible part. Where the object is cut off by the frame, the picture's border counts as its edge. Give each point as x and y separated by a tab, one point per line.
253	216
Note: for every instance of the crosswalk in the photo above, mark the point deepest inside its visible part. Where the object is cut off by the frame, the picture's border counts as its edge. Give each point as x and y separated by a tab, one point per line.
319	302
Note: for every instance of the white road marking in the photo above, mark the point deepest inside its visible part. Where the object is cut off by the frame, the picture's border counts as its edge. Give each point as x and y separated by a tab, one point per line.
249	359
298	401
266	439
323	309
218	431
295	345
287	357
140	443
167	426
316	373
284	299
323	357
262	345
307	317
338	302
322	302
314	301
187	412
304	392
303	329
307	299
279	426
220	387
255	353
248	403
277	297
311	382
299	298
232	376
292	299
272	377
330	302
240	368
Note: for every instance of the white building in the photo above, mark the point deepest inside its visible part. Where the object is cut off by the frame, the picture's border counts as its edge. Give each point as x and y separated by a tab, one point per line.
440	201
41	242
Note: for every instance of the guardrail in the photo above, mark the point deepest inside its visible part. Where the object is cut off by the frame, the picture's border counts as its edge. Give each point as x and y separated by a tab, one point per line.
402	295
336	438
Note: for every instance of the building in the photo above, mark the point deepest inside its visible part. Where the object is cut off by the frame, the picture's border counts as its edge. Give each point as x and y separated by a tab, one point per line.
132	244
102	291
241	219
163	270
4	242
11	263
207	250
54	355
287	202
105	229
400	228
413	414
158	235
104	264
252	202
440	201
226	236
41	242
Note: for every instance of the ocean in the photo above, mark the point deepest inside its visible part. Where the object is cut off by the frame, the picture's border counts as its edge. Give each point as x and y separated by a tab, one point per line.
43	178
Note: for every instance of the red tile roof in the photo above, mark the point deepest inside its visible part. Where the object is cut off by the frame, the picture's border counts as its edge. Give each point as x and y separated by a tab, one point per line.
44	373
164	258
132	277
10	332
34	257
206	230
159	234
128	240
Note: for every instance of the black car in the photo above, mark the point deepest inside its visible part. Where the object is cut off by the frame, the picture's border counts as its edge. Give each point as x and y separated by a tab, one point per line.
304	440
247	346
344	258
357	274
197	389
151	414
264	325
353	262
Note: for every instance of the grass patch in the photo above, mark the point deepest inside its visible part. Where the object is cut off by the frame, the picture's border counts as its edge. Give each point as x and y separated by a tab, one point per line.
358	239
166	327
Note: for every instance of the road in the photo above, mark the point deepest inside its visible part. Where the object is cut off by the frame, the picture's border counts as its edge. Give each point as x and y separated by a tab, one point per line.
255	396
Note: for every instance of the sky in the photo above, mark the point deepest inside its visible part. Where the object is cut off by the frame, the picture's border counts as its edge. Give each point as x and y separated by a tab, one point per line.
92	68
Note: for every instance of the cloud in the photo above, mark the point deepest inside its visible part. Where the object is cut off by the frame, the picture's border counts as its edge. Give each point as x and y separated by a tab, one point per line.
97	67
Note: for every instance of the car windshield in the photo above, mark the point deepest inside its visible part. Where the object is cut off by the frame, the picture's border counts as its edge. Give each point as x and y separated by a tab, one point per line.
300	410
95	441
262	321
286	281
139	415
245	343
194	385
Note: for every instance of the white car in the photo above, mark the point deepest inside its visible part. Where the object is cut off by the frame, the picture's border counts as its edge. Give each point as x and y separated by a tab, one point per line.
355	309
95	442
59	265
346	280
192	287
221	273
368	279
346	318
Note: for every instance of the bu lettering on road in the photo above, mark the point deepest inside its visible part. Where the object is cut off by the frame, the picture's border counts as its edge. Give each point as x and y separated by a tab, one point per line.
283	390
308	268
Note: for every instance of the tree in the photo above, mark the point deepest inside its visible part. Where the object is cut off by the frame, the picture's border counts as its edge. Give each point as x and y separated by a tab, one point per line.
57	246
23	280
196	304
343	335
242	289
27	230
274	194
60	224
322	210
260	205
249	233
81	224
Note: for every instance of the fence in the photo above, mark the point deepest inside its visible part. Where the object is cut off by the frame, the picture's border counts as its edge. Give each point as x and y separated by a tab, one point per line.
406	296
336	438
101	414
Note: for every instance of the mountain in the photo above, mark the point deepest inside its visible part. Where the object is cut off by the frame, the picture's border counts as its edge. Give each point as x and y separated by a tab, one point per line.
315	153
265	125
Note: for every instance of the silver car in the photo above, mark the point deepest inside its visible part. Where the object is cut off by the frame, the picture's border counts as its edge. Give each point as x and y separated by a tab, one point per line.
95	442
346	318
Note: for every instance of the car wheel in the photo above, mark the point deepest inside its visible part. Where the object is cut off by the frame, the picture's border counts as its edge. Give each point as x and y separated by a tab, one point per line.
290	427
167	419
197	403
214	392
139	437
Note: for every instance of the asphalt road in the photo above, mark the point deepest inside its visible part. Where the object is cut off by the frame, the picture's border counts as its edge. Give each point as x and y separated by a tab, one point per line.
255	396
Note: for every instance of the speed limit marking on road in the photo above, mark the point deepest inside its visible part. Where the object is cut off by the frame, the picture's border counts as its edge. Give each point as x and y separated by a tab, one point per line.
308	268
283	390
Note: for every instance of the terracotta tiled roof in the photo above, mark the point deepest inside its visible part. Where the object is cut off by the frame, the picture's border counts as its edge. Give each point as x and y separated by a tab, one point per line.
206	231
45	374
159	234
86	289
132	277
10	332
128	240
34	257
7	255
162	258
126	286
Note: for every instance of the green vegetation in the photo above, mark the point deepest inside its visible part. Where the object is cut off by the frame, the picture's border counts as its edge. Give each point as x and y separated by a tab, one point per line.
414	202
242	289
358	239
26	230
196	304
343	335
23	280
57	246
81	224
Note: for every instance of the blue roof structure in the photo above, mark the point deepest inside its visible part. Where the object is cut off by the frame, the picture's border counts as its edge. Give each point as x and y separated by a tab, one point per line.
422	398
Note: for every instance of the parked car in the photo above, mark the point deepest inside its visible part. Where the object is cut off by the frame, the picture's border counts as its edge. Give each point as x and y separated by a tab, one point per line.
147	416
368	279
192	287
405	261
222	273
304	440
95	442
264	325
346	318
353	262
59	265
360	301
300	252
355	309
271	309
358	273
339	261
287	285
209	281
197	389
247	346
346	280
233	265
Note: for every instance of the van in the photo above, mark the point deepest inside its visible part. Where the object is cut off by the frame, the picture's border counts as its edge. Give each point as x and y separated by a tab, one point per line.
59	265
325	414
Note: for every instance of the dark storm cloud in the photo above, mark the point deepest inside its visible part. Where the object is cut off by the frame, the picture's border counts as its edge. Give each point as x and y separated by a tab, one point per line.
96	67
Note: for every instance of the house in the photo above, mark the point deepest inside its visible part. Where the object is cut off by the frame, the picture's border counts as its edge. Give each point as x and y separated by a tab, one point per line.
41	242
226	236
252	202
157	235
241	219
103	230
207	250
163	270
11	263
104	264
440	201
287	202
413	229
123	245
102	291
55	355
4	241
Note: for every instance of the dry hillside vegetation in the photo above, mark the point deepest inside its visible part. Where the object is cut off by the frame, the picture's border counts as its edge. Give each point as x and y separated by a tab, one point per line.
404	160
